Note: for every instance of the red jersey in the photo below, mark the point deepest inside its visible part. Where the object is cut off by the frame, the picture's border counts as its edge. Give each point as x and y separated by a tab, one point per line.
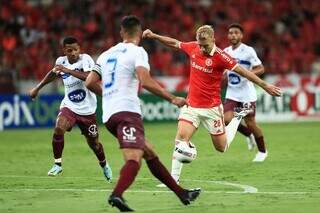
205	74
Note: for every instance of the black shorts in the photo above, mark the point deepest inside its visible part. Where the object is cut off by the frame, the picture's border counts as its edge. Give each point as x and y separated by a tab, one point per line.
128	128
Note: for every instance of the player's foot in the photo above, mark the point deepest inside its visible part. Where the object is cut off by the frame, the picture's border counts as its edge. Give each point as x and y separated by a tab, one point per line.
240	113
190	195
251	142
162	185
55	170
107	172
260	156
120	203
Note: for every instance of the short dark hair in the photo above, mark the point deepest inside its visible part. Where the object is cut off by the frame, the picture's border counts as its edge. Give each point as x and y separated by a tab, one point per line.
131	24
69	40
236	25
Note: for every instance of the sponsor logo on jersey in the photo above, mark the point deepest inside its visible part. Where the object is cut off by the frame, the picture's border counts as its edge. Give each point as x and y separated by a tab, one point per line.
234	79
203	69
77	95
208	62
65	75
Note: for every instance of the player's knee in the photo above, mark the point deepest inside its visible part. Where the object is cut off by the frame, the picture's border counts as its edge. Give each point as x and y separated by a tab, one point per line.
59	131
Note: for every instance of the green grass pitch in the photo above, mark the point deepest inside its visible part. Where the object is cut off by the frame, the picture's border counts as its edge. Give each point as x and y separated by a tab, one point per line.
288	181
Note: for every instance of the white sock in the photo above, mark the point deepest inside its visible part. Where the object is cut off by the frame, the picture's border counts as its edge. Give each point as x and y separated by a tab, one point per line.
176	166
176	169
58	160
231	130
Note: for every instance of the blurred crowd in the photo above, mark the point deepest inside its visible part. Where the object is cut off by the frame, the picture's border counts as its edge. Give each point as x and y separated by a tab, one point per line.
283	32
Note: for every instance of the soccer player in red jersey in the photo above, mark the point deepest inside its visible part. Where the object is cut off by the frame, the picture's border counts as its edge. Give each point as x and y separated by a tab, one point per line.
207	64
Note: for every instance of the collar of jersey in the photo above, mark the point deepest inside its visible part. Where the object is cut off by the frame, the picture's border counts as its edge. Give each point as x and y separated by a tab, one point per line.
213	50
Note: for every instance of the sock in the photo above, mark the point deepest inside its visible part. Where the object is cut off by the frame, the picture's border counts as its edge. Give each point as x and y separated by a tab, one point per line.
127	175
260	144
58	161
244	130
57	147
231	130
161	173
99	152
176	166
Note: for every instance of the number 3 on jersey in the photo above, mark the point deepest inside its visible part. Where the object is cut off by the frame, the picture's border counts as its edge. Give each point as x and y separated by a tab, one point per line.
111	65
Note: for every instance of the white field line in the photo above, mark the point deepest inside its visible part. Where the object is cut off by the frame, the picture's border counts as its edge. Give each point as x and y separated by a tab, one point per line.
246	189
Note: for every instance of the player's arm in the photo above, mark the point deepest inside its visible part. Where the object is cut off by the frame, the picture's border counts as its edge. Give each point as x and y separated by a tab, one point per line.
59	69
152	86
92	82
170	42
258	70
50	76
269	88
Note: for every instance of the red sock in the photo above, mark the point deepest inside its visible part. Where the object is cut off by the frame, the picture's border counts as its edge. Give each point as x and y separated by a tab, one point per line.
260	144
57	145
161	173
127	175
244	130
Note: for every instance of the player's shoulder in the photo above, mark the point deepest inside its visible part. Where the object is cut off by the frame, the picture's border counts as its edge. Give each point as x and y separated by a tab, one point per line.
61	60
192	44
227	49
247	48
219	51
85	56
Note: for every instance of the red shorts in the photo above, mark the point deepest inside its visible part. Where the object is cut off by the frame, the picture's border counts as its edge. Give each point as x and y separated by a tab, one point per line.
86	123
128	128
231	105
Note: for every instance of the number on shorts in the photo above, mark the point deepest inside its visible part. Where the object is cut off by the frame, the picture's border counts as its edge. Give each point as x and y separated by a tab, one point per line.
216	123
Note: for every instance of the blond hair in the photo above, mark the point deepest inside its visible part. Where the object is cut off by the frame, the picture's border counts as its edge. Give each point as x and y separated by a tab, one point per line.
204	32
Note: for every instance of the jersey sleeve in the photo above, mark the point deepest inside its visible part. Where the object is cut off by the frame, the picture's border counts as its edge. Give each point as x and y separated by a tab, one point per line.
98	65
59	61
227	62
88	63
255	61
141	59
187	47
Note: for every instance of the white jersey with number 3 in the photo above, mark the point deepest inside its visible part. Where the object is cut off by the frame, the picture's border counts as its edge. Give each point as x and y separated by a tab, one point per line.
239	88
77	97
117	68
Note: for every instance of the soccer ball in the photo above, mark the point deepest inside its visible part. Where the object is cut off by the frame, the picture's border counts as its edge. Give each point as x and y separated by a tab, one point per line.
185	153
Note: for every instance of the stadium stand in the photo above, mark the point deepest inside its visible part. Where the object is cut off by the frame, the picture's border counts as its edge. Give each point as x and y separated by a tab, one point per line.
282	31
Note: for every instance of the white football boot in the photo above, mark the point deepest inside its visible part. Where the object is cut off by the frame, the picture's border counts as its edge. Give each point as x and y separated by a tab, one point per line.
260	156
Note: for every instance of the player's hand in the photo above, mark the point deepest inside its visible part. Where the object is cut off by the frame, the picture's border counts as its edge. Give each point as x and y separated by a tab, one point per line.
273	90
179	101
60	70
33	93
147	34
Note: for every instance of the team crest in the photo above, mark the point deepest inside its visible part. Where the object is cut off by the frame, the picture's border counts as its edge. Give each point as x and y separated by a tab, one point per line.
208	62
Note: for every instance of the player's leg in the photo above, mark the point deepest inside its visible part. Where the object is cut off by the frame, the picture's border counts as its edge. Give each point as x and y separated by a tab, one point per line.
128	128
229	109
221	135
258	135
184	133
65	121
187	125
161	173
89	129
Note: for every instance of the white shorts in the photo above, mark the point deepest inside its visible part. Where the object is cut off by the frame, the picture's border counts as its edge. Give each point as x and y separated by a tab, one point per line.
211	118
